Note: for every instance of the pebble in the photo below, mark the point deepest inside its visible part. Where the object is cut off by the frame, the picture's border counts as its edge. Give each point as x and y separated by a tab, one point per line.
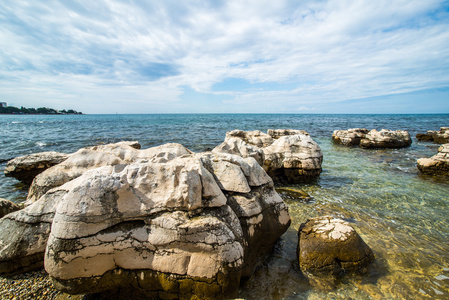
31	285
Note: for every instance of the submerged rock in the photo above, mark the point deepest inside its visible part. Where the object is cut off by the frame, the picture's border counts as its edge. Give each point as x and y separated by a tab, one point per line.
437	164
440	137
329	245
7	207
166	227
373	138
287	155
26	168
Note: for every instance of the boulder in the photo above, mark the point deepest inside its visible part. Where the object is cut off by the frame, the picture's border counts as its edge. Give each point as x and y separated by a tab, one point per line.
287	155
256	137
277	133
97	156
26	168
165	227
7	207
293	158
350	137
386	139
440	137
437	164
329	245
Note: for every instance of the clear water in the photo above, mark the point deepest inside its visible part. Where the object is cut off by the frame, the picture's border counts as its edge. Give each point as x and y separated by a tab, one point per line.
402	215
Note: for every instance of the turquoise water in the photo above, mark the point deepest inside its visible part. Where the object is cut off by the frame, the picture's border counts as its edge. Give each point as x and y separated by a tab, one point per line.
402	215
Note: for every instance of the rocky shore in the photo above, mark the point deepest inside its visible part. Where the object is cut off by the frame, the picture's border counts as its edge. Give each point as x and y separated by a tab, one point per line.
164	222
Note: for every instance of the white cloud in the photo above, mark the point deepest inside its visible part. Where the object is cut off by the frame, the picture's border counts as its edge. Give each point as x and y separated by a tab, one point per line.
147	51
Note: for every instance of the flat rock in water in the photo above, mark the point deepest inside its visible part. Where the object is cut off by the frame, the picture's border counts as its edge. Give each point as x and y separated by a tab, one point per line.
437	164
440	137
372	139
26	168
350	137
330	245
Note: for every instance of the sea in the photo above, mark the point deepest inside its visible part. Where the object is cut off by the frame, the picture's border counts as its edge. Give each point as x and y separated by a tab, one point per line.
402	215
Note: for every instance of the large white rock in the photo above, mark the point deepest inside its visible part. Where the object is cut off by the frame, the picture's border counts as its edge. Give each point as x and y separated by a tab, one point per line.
97	156
186	226
287	155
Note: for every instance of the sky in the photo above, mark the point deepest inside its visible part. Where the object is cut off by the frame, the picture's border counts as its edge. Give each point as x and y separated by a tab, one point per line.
234	56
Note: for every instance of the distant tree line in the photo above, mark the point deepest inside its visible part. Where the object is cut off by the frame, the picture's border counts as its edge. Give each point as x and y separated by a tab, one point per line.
37	111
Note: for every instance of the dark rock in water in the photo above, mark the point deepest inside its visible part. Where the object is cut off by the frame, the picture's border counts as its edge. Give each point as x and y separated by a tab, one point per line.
7	207
155	225
329	245
287	155
437	164
26	168
426	137
293	194
440	137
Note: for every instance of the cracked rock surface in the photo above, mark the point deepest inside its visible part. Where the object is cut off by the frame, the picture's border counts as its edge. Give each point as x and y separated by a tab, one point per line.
166	225
372	139
331	245
437	164
287	155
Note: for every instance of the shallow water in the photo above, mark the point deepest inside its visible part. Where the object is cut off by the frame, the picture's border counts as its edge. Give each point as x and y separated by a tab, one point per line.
402	215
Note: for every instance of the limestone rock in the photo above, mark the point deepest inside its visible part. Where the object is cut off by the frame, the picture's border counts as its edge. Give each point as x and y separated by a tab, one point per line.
386	139
293	158
287	155
97	156
7	207
26	168
24	234
437	164
160	226
329	245
440	137
237	146
277	133
350	137
256	137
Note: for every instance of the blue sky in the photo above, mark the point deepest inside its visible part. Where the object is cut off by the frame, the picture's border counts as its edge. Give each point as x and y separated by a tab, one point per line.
339	56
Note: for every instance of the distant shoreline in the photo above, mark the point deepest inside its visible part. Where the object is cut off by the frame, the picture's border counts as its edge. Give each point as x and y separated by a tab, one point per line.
11	110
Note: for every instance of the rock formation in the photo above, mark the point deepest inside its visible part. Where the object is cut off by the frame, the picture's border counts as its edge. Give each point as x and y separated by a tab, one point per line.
437	164
167	226
372	139
7	207
329	245
386	139
350	137
440	137
25	168
97	156
286	155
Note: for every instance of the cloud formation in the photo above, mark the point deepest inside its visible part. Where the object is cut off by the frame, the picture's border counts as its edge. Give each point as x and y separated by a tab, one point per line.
259	56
